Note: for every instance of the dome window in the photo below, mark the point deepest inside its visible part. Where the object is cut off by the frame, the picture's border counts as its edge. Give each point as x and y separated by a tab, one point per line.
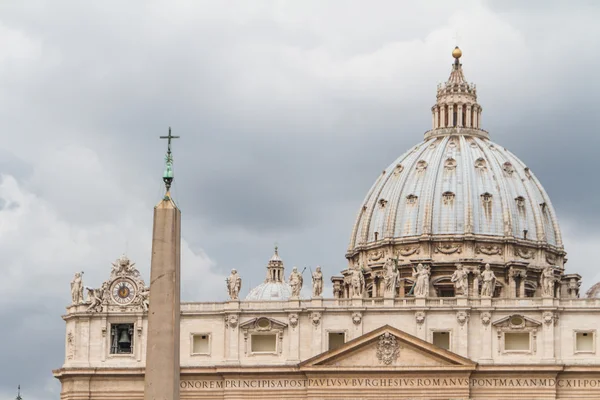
520	201
486	198
382	202
480	164
448	198
508	168
399	168
421	165
450	164
411	199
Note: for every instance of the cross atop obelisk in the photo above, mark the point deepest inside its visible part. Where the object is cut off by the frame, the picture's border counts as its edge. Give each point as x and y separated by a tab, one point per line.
168	174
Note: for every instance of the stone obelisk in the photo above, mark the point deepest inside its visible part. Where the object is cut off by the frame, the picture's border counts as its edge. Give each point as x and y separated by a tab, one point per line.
161	380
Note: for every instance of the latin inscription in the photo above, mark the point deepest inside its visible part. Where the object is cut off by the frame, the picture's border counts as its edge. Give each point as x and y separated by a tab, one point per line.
388	382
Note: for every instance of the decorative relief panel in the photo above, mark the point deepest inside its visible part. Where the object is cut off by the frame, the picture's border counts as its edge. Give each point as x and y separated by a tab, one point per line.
486	318
356	318
462	317
489	250
524	252
293	320
315	319
408	251
387	348
420	317
70	346
231	321
448	248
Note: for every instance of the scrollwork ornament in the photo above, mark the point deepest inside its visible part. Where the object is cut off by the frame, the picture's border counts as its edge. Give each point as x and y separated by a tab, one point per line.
462	317
408	251
486	318
420	317
448	248
293	319
356	318
315	319
231	321
489	250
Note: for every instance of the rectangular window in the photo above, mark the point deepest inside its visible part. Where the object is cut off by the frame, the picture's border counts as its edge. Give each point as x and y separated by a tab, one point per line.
121	339
263	343
516	341
442	339
201	343
584	342
336	340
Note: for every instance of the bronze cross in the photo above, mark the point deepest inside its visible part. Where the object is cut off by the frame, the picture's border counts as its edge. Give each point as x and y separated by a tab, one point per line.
169	140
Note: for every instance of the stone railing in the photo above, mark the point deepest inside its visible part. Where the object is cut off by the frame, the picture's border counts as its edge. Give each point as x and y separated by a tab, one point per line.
399	302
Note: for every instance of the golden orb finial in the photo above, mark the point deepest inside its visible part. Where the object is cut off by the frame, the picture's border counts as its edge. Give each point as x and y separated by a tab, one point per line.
456	53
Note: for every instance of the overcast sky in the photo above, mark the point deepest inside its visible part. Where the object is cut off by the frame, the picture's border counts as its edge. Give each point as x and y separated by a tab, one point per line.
287	112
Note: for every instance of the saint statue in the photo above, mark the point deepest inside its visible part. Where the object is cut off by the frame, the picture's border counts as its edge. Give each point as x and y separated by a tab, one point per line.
234	284
421	277
461	280
390	277
295	282
317	282
357	282
77	288
489	282
548	280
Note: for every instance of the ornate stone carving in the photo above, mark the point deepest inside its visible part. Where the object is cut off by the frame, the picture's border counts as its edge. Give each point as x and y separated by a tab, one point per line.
70	346
462	317
420	317
234	284
317	282
387	348
486	318
231	320
448	248
548	317
550	258
408	251
448	198
450	164
524	252
376	255
489	282
295	281
489	250
356	318
315	319
77	288
293	319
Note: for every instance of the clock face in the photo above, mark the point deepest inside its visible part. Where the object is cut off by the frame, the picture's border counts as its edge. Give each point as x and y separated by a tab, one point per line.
123	292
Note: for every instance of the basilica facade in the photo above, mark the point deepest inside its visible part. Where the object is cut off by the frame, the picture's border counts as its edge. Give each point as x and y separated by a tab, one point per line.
455	288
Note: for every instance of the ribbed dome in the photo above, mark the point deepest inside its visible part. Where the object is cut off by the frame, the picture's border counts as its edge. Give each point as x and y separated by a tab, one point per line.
460	183
270	291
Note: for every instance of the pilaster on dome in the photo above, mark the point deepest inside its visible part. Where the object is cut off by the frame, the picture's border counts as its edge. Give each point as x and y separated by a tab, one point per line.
456	106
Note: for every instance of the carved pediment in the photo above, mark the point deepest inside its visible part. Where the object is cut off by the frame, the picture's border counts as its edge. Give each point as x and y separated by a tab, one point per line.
388	347
516	321
263	324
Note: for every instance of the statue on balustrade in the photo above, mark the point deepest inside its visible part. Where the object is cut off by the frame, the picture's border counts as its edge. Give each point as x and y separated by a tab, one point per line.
234	284
295	282
489	282
548	280
357	282
390	277
77	288
317	282
461	280
421	277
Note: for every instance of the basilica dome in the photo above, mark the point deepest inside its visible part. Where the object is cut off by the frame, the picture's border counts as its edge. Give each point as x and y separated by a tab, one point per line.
457	194
274	287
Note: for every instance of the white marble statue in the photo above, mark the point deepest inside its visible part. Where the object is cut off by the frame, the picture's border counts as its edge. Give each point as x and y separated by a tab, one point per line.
145	298
548	280
390	277
295	282
357	282
489	281
234	285
77	288
421	276
461	280
96	299
317	282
